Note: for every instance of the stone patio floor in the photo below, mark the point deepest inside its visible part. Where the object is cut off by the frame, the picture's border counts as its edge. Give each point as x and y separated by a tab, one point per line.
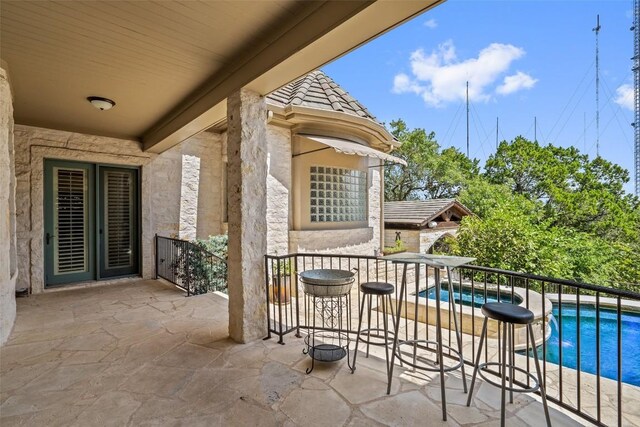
141	353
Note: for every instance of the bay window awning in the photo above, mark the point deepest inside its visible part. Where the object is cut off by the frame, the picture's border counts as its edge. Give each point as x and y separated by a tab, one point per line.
345	146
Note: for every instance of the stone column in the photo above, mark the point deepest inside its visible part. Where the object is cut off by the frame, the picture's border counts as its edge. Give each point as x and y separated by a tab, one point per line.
8	270
189	197
247	207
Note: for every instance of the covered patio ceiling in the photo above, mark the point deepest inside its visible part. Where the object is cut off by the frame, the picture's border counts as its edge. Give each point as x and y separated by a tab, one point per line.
170	65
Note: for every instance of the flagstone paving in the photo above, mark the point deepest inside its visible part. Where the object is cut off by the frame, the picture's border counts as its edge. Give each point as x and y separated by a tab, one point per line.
143	354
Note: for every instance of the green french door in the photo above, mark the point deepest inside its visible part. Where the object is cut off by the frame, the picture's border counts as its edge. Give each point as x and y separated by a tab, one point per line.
91	222
118	225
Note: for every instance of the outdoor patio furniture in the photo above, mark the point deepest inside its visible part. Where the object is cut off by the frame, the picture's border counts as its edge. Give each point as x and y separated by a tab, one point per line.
437	262
382	291
508	315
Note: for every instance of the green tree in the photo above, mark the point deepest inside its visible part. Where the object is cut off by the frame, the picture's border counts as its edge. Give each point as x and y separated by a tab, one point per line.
430	172
551	211
576	192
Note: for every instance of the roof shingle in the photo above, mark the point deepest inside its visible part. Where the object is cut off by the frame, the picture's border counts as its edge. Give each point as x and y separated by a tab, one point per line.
317	90
417	212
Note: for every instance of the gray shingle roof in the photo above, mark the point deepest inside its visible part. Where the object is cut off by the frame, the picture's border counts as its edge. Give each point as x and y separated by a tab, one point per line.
317	90
418	212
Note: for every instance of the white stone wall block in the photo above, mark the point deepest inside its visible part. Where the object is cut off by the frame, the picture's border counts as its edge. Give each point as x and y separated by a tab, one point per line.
278	189
7	221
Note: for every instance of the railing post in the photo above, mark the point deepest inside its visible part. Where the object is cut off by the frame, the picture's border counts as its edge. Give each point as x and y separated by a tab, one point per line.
188	275
156	256
266	287
295	283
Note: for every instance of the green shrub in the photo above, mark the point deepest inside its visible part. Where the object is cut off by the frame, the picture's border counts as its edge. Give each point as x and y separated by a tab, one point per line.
202	265
398	247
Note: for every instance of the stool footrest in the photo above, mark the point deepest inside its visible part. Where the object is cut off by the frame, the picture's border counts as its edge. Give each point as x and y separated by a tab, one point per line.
523	389
410	363
366	335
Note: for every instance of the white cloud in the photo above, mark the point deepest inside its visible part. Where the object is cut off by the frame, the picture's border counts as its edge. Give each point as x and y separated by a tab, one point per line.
624	96
516	82
440	77
431	23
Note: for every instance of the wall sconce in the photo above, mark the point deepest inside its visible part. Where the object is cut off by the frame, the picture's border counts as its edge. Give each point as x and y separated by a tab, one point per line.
101	103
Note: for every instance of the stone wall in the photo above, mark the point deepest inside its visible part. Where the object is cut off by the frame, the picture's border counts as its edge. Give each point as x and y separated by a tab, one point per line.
188	188
417	240
278	189
410	238
183	194
430	236
355	241
32	146
8	258
177	199
365	239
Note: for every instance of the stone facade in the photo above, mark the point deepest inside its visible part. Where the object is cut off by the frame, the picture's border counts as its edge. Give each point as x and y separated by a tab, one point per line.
182	194
33	145
188	182
354	241
173	202
417	240
8	257
278	189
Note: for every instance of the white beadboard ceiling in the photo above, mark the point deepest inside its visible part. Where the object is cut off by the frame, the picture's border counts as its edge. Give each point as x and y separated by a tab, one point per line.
167	64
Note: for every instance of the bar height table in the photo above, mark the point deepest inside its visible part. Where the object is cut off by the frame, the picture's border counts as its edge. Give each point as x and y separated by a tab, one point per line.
437	262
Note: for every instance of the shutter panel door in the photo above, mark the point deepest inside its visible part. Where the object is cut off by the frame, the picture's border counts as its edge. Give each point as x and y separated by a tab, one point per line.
71	221
119	222
68	238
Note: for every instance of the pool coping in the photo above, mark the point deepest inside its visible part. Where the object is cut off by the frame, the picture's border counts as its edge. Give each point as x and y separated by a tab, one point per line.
540	311
625	304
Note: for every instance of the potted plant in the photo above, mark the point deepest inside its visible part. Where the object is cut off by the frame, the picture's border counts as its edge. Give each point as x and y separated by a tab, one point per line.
281	289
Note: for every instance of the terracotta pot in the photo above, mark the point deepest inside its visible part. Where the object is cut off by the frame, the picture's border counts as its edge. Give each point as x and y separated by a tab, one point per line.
281	294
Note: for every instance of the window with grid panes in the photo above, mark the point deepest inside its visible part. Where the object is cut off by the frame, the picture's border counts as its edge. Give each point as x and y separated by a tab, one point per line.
338	194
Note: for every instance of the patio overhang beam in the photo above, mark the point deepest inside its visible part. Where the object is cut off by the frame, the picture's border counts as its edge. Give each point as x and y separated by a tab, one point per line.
328	31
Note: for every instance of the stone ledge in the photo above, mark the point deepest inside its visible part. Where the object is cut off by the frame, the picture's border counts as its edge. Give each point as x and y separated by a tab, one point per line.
327	240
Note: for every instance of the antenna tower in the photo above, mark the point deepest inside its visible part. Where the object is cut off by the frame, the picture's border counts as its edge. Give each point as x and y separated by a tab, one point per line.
597	30
467	118
636	86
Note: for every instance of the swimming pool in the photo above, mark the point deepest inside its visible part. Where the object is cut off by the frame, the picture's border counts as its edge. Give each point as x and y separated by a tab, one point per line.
467	298
608	341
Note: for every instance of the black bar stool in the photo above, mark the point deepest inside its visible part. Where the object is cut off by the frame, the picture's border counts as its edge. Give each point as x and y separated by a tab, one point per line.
509	315
382	291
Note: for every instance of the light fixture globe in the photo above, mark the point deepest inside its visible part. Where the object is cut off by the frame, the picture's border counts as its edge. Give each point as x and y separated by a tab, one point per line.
101	103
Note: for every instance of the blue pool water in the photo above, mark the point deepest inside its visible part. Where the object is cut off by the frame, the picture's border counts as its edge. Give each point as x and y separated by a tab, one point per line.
467	298
630	335
608	341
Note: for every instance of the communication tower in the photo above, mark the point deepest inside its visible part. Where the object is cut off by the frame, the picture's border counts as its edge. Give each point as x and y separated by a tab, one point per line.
636	87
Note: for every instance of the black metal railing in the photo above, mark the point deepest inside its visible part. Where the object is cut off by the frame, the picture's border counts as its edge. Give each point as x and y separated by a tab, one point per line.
586	334
190	266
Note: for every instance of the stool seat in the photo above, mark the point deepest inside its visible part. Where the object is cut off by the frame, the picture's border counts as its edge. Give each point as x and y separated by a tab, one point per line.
506	312
376	288
509	315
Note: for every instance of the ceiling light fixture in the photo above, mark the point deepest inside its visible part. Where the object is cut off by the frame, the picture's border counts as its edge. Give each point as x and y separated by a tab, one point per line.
101	103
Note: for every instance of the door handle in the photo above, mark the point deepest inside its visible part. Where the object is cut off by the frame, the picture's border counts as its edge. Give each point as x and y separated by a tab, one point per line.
49	237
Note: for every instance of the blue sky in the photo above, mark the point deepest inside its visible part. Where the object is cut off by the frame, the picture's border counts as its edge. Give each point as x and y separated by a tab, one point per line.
523	59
